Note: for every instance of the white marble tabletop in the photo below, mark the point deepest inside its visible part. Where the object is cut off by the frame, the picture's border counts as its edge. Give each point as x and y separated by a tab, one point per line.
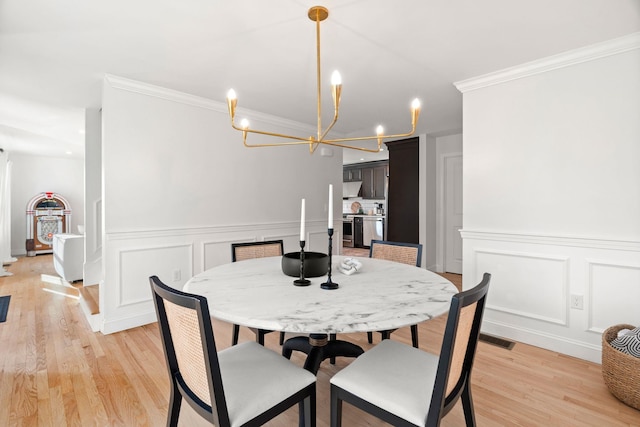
382	295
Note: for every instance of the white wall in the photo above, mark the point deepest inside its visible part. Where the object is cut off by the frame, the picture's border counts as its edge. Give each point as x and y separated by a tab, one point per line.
427	200
35	174
179	187
552	195
93	197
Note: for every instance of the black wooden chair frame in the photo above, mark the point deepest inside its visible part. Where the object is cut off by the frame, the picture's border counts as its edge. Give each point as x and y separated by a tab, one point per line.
216	413
441	402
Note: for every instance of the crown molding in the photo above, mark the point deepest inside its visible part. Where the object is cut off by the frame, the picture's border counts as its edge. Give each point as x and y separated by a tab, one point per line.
565	59
148	89
554	240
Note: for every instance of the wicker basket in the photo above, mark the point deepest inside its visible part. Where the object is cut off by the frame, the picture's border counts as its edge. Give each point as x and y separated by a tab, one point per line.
621	371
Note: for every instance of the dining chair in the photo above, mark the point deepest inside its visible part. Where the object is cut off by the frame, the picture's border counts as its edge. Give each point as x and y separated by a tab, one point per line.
250	250
412	387
406	253
243	385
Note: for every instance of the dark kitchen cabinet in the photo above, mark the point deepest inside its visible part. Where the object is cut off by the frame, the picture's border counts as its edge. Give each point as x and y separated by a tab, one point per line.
351	173
374	182
402	200
373	176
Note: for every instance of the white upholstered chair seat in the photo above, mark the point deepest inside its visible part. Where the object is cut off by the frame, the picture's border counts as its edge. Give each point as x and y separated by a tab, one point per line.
403	381
256	379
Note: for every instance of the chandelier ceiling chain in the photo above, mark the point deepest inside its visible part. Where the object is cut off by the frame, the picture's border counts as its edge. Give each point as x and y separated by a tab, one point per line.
319	14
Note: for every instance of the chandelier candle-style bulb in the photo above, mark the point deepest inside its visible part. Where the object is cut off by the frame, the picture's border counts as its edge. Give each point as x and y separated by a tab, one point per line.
232	101
415	111
380	133
336	89
336	79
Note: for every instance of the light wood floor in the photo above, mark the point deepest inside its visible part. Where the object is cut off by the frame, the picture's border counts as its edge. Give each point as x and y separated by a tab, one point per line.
55	372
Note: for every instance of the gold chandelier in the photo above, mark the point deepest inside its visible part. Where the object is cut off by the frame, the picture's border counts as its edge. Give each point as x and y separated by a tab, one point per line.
319	14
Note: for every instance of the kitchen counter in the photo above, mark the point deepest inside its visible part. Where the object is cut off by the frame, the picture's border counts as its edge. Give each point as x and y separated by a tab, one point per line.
344	215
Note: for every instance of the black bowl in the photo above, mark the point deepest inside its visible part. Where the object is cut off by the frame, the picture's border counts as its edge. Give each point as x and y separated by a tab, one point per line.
316	264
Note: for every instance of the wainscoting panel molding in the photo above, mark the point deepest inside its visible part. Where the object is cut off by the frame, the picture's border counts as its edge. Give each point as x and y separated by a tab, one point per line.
176	255
535	278
172	264
542	284
613	285
218	252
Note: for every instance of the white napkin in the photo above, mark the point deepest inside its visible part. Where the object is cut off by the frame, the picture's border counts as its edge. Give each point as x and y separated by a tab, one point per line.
349	266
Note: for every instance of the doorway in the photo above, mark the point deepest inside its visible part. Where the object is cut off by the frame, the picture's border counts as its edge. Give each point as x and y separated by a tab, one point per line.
452	212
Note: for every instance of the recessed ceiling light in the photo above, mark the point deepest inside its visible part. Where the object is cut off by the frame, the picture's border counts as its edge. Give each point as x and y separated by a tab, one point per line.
81	131
69	152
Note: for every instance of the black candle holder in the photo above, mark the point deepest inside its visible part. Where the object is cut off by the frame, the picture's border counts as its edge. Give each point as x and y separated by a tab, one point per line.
302	281
329	285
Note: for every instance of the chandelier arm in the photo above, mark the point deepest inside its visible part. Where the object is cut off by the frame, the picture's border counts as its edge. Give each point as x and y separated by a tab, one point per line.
335	119
275	144
313	146
366	138
351	147
415	113
314	143
299	140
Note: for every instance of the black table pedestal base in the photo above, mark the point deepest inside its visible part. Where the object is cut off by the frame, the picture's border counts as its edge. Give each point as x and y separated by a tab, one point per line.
317	348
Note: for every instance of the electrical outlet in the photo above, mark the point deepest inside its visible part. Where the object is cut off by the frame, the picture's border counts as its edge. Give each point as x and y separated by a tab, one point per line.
176	275
577	302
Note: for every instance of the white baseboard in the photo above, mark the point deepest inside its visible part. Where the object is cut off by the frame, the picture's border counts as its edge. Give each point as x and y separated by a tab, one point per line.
435	268
581	350
117	325
94	320
56	280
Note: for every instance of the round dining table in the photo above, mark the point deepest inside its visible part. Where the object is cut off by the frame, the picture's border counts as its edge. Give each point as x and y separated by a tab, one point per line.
381	296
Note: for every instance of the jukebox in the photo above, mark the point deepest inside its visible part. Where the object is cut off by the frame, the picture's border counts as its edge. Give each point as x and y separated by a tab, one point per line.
47	214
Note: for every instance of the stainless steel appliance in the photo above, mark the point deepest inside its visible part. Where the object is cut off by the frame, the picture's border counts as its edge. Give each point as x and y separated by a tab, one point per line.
372	229
347	231
357	232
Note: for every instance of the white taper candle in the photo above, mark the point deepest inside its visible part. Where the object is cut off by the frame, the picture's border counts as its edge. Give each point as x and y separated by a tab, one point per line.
330	206
302	214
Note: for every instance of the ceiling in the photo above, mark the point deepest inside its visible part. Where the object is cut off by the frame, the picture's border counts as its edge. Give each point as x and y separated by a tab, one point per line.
54	55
